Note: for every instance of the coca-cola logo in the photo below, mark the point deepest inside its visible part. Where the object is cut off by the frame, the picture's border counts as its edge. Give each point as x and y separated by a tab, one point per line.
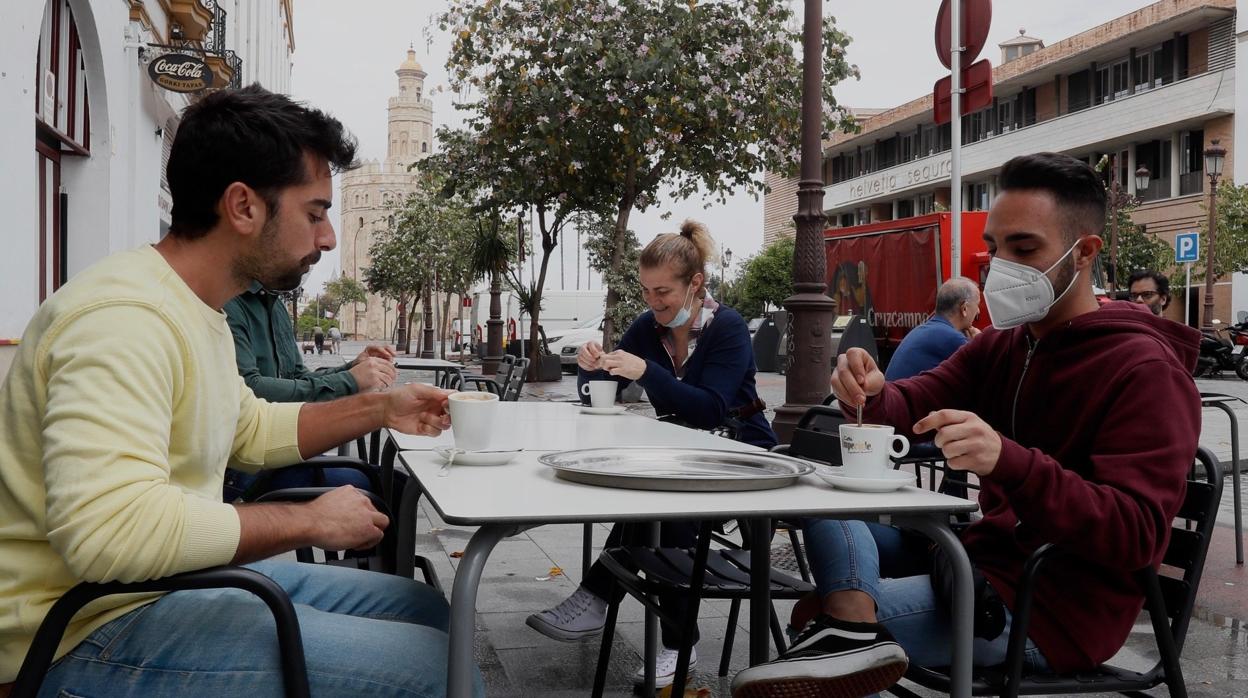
178	72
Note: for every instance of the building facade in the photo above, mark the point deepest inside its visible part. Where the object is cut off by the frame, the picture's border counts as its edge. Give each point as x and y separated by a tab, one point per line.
80	71
370	193
1150	89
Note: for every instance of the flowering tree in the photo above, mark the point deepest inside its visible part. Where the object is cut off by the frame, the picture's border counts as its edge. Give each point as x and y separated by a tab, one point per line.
580	104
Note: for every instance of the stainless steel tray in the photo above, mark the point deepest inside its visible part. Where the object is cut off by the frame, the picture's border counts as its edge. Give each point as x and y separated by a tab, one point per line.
678	469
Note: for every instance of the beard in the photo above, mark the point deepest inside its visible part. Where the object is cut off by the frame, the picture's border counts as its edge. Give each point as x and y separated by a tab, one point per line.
264	265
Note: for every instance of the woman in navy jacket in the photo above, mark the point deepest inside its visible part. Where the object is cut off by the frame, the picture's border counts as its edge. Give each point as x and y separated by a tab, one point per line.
694	358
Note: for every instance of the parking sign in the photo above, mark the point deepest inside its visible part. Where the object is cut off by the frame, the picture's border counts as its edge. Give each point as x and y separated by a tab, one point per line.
1186	247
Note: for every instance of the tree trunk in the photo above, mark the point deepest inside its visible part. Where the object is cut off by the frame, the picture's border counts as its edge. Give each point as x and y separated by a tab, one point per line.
617	256
494	326
403	336
445	322
465	338
426	342
534	318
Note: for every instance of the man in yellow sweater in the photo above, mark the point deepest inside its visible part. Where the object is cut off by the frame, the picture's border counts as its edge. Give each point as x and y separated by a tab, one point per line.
124	406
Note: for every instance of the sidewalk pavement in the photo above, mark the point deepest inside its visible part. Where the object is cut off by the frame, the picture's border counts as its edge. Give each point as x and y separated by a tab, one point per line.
518	580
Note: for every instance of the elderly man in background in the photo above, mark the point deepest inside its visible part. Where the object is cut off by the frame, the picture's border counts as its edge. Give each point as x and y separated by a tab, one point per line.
951	326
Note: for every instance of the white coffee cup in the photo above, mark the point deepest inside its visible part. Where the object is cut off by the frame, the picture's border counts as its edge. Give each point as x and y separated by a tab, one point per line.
601	393
865	449
472	419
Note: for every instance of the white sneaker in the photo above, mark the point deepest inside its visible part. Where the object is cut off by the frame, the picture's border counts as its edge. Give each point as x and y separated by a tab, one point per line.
580	615
665	667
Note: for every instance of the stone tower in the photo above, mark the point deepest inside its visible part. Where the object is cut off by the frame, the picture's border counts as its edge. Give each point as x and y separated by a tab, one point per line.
370	193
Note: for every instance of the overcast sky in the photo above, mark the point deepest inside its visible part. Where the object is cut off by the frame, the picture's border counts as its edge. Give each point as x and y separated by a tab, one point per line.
346	54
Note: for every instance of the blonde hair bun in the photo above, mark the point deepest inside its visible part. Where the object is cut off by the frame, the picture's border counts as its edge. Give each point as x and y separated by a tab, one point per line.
689	250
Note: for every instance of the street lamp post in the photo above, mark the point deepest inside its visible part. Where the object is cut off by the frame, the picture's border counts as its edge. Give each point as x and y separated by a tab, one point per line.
727	260
1117	199
810	311
1215	157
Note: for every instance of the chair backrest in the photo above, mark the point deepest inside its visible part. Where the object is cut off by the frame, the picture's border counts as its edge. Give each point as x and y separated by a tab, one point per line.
817	436
1188	548
512	388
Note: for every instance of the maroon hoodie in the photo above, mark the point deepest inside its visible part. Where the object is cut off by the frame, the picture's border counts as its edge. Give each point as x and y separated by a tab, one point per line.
1099	424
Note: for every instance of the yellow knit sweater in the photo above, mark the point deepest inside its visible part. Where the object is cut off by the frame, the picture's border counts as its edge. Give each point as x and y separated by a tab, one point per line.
117	420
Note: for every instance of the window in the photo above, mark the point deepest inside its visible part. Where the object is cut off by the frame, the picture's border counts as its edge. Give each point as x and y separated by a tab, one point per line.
976	196
1078	91
62	130
847	220
910	147
1191	162
1120	79
905	208
1155	155
424	147
1005	116
926	203
1144	71
863	215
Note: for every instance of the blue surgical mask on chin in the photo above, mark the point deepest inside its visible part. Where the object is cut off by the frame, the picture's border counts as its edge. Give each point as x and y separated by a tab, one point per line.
682	315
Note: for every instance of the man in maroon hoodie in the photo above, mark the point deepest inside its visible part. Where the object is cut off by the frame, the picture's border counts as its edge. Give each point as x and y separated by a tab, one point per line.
1044	410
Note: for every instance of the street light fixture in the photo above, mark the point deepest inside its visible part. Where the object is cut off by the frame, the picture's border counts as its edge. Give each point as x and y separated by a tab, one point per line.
1215	157
1118	199
726	264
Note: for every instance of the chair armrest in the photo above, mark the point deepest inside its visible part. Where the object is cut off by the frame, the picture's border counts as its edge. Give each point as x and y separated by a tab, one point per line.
369	471
1021	619
490	384
47	638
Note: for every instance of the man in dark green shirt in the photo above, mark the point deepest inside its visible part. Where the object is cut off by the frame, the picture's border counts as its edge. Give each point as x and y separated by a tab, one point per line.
269	361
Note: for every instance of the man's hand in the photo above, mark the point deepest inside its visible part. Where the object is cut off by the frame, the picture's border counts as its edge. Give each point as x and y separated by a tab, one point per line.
590	356
622	363
856	377
377	351
966	440
417	408
972	332
345	519
373	374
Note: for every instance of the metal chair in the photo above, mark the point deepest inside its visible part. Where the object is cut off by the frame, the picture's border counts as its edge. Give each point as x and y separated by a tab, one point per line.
290	642
1169	601
496	383
698	574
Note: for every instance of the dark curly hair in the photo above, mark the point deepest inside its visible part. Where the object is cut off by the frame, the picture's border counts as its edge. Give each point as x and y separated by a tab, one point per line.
247	135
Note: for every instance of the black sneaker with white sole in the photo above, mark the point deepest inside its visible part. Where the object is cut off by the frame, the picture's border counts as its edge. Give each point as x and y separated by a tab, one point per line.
830	659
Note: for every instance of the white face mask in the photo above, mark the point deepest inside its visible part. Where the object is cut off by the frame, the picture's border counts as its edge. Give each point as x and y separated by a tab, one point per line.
1017	294
682	315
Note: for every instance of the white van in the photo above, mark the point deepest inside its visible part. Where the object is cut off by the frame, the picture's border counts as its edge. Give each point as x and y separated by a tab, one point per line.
561	310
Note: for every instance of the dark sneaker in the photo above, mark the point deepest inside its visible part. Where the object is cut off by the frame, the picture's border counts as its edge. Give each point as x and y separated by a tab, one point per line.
830	659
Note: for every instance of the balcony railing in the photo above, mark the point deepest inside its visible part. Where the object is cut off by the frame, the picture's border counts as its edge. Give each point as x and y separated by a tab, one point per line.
1158	188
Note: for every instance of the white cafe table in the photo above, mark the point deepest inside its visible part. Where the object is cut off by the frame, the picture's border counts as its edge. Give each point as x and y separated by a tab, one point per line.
507	499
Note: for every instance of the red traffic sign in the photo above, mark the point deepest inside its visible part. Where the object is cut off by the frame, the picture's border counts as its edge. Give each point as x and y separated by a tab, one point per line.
976	18
977	83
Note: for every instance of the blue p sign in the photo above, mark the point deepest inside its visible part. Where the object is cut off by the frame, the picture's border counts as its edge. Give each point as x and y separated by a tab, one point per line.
1186	247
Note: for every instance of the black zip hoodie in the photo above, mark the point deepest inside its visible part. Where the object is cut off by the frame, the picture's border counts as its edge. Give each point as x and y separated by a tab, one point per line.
1100	421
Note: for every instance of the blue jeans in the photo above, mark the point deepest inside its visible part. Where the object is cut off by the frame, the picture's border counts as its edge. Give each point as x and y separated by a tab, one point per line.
364	633
892	568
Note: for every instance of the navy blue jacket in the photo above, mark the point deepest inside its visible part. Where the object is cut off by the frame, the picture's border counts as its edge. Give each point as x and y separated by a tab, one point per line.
924	348
719	375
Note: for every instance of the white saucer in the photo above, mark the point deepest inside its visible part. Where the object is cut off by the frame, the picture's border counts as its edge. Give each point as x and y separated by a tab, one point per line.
891	480
618	409
474	458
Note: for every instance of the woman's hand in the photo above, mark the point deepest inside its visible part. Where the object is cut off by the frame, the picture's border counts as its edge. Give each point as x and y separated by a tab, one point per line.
590	356
624	364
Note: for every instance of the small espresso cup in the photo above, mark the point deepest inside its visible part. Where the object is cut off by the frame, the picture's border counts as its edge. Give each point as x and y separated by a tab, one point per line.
600	393
472	419
865	449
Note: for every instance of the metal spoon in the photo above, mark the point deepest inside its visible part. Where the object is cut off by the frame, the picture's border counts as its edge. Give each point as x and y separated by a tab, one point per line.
859	414
452	452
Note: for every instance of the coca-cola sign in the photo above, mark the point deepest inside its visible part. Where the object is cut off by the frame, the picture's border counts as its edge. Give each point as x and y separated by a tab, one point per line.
178	72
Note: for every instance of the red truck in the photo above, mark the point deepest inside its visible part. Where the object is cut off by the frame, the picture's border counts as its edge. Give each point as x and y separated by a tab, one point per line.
890	271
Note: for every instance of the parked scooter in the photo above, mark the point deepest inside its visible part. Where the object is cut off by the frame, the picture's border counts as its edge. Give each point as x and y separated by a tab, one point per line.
1224	349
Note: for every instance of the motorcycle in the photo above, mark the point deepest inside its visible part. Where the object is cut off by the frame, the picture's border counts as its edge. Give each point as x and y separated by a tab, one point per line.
1224	349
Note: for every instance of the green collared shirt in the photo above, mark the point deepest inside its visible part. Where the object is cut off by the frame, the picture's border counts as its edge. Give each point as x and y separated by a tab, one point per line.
268	356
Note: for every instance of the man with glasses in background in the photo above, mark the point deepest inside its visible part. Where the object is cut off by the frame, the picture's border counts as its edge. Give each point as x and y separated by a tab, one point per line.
1149	288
